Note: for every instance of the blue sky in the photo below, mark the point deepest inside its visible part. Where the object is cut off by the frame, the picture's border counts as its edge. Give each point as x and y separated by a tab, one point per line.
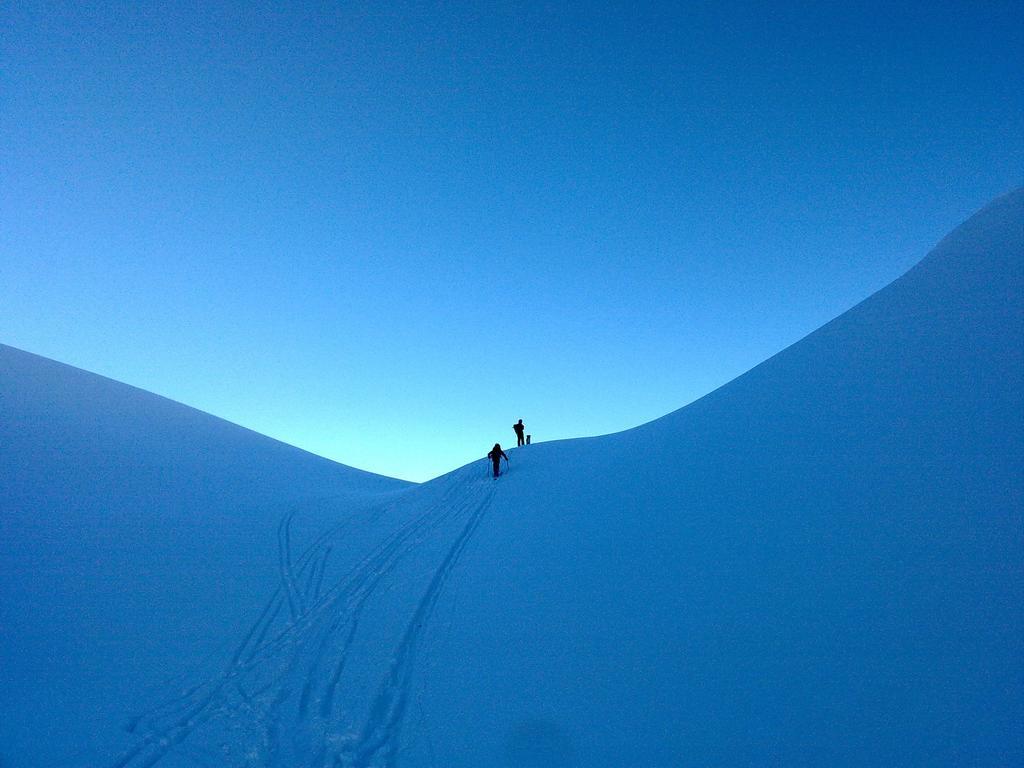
384	232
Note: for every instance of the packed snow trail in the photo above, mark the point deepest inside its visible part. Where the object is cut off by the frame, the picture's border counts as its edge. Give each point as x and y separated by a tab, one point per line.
322	676
383	729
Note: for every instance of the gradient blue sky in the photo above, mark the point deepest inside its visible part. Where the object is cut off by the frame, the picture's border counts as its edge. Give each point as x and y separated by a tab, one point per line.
384	231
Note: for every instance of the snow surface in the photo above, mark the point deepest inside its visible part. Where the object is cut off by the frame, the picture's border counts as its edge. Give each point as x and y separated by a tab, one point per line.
135	535
821	563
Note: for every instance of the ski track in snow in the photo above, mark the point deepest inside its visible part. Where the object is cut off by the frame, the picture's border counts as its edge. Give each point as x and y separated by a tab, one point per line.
383	730
287	695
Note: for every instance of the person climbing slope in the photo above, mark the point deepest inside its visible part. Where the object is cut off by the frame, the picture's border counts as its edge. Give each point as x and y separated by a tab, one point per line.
496	455
520	429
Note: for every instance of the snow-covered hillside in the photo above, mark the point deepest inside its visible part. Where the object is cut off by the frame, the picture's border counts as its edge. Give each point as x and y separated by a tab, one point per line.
821	563
135	533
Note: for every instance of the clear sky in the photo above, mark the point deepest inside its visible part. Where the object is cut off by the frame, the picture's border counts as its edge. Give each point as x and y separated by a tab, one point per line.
385	231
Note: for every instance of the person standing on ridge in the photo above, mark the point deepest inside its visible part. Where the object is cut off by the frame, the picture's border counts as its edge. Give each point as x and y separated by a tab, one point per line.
520	429
496	455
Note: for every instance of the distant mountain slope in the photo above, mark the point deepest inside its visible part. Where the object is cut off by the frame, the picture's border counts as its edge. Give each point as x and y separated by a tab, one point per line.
65	424
131	530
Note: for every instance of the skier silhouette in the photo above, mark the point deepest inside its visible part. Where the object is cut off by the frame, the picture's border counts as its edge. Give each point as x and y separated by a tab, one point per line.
520	429
496	456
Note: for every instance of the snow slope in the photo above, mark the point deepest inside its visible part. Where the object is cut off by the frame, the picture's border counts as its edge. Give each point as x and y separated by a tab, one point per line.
130	526
821	563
